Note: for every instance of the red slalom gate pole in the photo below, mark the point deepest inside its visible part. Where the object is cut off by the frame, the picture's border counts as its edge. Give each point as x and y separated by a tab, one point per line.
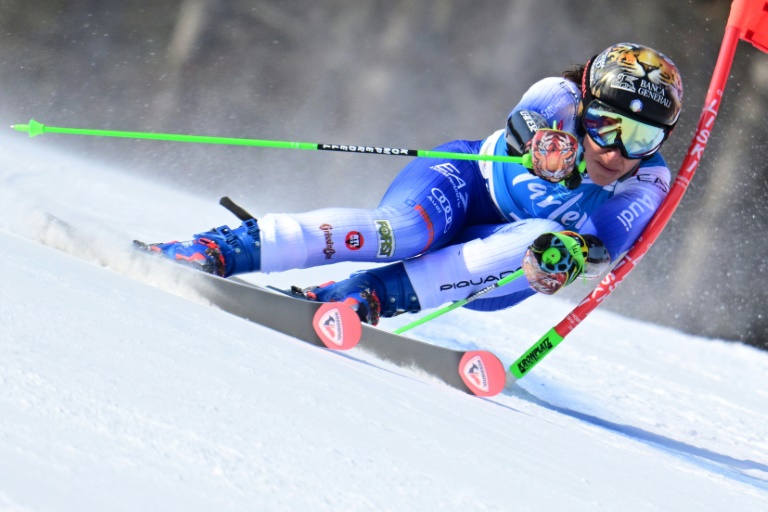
748	20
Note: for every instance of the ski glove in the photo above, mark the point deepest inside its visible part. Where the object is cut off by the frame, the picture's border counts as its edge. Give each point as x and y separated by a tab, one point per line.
548	153
555	260
554	155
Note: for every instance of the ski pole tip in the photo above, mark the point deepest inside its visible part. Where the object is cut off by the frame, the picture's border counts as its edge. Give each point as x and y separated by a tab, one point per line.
34	128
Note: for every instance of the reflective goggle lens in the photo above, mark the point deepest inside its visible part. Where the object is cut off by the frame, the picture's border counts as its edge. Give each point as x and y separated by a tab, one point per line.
610	129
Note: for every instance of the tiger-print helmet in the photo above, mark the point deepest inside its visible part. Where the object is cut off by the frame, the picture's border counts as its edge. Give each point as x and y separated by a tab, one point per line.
635	79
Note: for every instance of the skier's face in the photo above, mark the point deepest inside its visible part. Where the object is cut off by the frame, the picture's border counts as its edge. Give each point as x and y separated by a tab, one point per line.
606	165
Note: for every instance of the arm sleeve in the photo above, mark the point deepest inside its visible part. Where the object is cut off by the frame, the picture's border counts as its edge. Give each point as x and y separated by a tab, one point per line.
503	302
619	221
555	98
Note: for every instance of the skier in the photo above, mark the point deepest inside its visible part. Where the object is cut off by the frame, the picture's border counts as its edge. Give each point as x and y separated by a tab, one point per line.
450	227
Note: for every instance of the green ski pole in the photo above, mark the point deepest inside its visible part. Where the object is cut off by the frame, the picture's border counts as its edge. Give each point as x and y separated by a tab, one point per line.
459	303
35	128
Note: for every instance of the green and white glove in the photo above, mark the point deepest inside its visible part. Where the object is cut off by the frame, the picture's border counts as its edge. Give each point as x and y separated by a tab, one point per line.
555	260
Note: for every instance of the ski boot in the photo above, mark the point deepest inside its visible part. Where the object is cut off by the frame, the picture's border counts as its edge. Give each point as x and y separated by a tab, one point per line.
221	251
373	294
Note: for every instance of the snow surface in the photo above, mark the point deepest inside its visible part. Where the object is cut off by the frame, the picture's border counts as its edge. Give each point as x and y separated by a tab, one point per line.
116	394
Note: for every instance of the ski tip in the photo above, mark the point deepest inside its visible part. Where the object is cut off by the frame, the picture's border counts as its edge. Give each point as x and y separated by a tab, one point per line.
337	326
483	373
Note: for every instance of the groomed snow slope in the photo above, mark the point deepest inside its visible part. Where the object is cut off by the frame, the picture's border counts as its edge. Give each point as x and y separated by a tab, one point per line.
116	394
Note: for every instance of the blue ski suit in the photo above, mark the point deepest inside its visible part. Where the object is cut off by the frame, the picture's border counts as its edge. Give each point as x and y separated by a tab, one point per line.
459	225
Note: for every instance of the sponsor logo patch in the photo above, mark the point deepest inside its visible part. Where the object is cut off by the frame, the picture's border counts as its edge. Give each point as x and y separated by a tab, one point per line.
331	325
329	251
386	248
475	281
635	210
445	205
536	354
452	173
354	241
476	372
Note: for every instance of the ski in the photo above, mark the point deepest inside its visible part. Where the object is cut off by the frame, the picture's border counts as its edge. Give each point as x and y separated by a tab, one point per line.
330	325
477	372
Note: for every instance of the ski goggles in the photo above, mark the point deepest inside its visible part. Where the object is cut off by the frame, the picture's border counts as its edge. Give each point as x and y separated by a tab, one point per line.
609	128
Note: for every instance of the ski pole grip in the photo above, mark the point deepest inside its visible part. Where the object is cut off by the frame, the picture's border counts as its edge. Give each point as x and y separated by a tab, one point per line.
235	208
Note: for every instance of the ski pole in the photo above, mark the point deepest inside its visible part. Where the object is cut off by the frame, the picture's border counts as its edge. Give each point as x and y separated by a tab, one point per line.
498	284
748	20
35	128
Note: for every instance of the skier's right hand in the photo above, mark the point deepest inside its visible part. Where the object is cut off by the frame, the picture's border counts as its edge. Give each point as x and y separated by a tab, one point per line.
554	154
548	153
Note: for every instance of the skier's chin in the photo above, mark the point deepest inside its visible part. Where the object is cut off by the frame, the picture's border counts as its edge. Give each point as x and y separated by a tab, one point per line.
603	175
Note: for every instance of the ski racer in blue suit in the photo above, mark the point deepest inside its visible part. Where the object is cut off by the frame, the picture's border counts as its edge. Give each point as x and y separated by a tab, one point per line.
450	227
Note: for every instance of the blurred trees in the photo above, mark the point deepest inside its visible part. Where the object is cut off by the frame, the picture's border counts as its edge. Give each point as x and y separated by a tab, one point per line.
392	73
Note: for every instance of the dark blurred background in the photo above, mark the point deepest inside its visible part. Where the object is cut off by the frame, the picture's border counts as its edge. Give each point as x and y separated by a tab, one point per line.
394	73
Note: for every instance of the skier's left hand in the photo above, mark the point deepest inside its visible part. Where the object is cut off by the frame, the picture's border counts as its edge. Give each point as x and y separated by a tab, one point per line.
554	260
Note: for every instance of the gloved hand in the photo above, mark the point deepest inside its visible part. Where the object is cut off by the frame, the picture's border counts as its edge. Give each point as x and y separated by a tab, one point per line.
555	260
552	155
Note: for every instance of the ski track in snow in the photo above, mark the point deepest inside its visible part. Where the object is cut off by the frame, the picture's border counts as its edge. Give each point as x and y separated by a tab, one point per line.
121	396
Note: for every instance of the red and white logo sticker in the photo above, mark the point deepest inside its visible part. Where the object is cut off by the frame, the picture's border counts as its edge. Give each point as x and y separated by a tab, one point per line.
337	326
483	373
330	324
354	240
474	370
